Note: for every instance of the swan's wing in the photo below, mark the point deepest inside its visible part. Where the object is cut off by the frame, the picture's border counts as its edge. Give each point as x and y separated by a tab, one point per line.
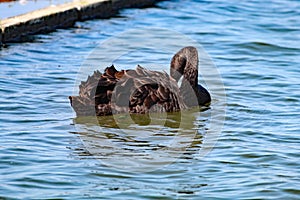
95	93
132	91
143	91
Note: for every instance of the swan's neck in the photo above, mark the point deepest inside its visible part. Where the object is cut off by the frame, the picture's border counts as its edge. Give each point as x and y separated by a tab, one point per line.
185	63
190	73
189	92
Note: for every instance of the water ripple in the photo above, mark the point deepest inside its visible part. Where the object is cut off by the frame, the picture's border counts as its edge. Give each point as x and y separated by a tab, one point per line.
255	46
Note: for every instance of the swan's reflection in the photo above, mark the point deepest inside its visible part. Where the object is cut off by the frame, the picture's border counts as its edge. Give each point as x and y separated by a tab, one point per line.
142	142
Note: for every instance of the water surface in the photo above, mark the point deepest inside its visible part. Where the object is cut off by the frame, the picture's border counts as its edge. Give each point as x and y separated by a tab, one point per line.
255	46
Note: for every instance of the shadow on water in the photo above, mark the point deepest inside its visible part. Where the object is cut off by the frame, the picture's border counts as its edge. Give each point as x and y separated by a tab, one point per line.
137	142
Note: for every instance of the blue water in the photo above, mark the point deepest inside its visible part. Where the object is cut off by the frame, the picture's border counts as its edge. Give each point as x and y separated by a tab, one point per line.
255	47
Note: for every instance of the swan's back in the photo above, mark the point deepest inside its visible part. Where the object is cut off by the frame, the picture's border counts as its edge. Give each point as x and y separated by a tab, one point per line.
131	91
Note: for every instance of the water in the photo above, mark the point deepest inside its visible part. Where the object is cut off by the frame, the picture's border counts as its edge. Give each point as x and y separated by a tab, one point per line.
255	46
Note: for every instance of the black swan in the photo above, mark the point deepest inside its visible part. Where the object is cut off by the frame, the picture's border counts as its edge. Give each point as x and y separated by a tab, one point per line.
141	90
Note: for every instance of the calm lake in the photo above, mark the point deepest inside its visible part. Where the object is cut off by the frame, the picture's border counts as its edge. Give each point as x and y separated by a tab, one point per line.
246	146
